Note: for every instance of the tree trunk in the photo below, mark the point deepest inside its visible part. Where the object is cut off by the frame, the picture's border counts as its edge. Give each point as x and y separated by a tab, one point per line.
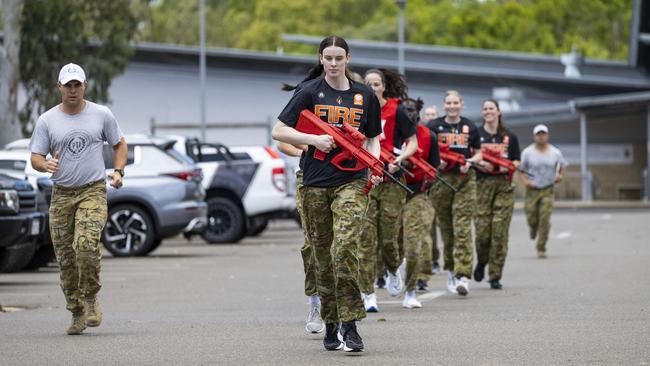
10	128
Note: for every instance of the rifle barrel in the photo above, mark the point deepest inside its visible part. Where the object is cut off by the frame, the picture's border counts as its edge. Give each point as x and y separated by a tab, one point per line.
402	185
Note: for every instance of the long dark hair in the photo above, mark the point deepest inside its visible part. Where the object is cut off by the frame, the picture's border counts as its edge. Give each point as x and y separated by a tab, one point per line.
501	128
318	70
394	83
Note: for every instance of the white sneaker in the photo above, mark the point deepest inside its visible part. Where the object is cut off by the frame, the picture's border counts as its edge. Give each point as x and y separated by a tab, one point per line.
370	303
462	286
402	268
314	322
394	285
410	301
451	282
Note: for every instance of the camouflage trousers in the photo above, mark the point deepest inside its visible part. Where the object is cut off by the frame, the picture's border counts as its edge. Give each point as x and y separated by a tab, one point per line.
495	200
308	261
418	212
538	207
455	211
434	255
379	243
77	217
333	217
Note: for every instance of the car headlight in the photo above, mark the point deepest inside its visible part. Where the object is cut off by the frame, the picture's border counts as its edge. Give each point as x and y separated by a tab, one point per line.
9	202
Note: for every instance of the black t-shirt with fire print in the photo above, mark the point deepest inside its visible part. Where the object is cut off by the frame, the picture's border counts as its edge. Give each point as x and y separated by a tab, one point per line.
508	145
462	137
358	106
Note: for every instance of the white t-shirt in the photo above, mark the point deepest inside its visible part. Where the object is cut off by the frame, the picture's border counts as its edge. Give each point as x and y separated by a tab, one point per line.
78	139
544	166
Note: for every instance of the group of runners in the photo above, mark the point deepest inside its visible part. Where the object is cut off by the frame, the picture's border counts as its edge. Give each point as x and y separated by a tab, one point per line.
357	241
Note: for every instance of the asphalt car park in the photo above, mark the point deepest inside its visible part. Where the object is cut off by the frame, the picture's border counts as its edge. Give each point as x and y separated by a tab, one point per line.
194	304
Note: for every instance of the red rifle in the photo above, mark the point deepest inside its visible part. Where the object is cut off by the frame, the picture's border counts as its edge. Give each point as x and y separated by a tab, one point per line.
494	157
451	157
351	143
430	173
389	157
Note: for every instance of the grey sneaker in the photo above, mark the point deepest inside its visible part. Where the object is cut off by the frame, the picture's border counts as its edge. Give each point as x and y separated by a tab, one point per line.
314	322
395	283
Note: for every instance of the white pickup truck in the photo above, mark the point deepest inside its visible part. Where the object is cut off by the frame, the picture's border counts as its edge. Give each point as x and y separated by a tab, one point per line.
245	187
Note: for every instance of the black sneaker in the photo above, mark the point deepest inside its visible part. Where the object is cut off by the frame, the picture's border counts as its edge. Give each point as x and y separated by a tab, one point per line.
495	285
422	286
351	339
331	341
479	272
381	283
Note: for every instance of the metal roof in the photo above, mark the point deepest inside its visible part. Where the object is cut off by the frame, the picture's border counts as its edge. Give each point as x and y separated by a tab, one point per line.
489	63
615	99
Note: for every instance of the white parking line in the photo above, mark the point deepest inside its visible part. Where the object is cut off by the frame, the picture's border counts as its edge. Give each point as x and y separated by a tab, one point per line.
422	298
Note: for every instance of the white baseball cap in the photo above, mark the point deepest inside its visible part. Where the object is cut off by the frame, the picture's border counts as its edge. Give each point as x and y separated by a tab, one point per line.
71	72
540	128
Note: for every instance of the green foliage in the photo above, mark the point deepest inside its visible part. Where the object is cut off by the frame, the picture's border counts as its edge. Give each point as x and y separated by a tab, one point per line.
93	33
598	28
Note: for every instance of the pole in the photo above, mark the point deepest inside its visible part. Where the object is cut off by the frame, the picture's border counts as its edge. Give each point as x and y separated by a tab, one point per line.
202	66
400	37
584	174
647	169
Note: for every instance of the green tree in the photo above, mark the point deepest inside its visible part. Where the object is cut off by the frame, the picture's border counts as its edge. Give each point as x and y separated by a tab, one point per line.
598	28
93	33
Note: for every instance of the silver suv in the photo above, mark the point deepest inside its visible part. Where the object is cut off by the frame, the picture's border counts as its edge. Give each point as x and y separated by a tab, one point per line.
162	195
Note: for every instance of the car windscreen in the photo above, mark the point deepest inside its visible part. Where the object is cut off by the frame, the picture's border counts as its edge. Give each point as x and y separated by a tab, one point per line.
107	153
178	156
10	164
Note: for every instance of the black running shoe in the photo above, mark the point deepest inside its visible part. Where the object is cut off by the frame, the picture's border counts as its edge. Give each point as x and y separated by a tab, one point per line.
381	283
495	285
331	341
479	272
351	339
422	286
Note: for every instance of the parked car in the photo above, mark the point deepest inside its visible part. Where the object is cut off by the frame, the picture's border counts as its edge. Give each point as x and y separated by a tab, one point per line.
245	187
161	197
16	164
20	223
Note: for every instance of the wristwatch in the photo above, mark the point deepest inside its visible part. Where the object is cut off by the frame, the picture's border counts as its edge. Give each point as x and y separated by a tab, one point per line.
121	171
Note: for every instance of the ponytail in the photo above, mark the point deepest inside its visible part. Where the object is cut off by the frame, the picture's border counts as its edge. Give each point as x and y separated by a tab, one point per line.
318	70
394	83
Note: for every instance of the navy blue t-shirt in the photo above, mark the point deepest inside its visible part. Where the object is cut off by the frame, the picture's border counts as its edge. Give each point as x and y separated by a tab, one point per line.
508	145
357	106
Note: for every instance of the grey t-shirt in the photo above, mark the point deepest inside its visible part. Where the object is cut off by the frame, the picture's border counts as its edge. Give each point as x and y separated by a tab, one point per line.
79	140
543	165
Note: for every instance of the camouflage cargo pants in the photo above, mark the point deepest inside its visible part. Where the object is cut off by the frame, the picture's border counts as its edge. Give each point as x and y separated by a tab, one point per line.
495	200
77	217
454	211
333	218
434	255
539	206
379	244
306	250
418	212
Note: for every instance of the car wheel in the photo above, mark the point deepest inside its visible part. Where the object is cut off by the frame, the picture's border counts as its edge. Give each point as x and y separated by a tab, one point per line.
15	257
225	221
257	226
129	231
42	257
155	245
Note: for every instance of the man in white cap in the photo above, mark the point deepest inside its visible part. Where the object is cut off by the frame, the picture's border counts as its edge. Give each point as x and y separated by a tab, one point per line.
546	166
73	134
